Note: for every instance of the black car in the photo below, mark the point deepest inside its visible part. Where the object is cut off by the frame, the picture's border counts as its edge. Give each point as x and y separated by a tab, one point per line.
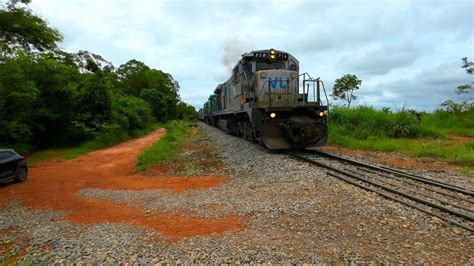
12	165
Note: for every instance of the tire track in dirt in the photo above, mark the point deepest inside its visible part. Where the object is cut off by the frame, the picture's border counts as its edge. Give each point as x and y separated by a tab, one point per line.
55	186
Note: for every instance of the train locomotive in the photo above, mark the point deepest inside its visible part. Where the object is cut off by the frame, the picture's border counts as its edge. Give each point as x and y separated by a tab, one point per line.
263	101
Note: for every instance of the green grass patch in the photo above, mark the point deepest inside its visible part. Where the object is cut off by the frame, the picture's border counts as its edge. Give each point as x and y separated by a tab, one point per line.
461	154
443	122
467	170
99	142
371	144
166	148
368	129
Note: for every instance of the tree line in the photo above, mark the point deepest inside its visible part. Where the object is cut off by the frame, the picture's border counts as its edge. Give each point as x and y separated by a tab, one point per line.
53	97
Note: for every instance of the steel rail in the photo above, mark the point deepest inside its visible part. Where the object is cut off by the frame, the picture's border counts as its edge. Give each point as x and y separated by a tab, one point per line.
390	197
414	190
394	191
417	176
397	172
422	185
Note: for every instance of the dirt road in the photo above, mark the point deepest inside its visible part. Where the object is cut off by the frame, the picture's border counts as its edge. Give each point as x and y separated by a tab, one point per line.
55	185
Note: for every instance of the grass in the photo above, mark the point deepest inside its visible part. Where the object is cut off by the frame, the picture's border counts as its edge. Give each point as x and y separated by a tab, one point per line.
430	137
461	124
166	148
101	141
461	154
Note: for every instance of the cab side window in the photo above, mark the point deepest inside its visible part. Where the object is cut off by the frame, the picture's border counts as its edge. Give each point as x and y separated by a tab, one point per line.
235	75
247	67
293	66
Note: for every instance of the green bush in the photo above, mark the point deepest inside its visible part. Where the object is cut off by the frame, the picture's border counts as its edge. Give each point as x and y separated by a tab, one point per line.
403	125
363	122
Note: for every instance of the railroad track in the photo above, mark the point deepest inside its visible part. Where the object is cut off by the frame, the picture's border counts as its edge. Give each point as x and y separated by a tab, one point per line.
444	201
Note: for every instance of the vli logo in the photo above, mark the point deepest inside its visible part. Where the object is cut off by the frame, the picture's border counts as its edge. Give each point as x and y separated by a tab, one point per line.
277	84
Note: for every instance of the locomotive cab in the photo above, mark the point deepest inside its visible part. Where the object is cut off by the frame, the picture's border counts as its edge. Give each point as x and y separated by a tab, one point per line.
286	117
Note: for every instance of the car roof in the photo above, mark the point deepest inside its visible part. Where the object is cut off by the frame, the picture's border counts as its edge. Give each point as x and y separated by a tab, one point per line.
6	149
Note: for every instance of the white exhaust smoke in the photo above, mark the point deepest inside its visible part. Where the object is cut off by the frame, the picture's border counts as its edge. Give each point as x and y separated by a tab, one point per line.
233	50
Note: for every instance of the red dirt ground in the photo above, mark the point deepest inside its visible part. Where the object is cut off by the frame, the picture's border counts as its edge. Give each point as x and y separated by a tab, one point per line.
55	186
461	138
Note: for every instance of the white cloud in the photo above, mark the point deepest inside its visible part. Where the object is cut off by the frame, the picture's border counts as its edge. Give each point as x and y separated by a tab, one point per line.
394	47
380	59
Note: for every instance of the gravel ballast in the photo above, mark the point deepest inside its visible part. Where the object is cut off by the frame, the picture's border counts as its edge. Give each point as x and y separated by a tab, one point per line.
291	212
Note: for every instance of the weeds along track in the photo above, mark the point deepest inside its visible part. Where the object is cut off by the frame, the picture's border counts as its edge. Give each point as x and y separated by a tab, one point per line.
444	201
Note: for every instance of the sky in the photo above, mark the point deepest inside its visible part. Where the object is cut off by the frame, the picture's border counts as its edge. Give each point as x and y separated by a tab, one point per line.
407	53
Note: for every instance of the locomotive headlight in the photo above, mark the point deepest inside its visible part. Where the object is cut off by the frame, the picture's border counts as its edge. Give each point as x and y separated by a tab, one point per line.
321	113
272	54
273	115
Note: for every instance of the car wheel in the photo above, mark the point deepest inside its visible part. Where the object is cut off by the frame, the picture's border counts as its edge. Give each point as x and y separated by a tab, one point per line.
21	174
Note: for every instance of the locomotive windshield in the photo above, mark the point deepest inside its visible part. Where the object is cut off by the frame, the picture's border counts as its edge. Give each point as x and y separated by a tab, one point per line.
266	65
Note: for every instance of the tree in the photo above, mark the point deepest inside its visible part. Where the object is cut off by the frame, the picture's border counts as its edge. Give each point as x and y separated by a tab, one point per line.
12	3
132	77
92	63
17	95
344	88
154	86
186	111
156	100
464	105
469	67
19	28
50	97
